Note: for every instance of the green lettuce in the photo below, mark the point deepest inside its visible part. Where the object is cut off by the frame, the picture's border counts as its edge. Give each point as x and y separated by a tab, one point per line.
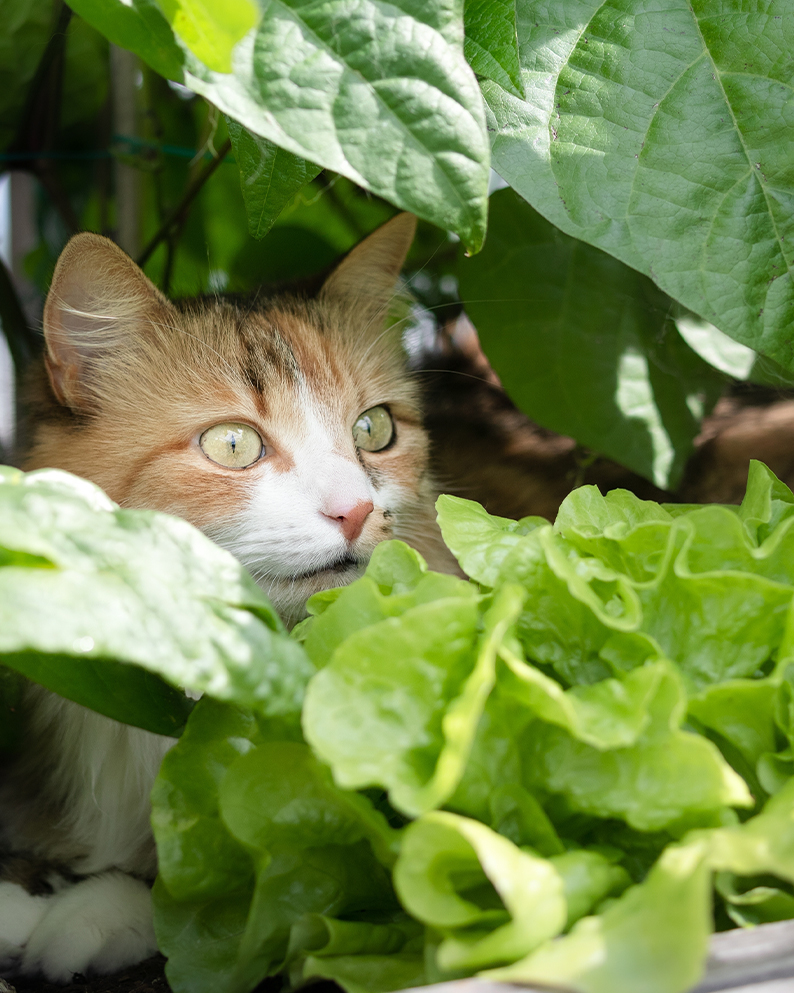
553	772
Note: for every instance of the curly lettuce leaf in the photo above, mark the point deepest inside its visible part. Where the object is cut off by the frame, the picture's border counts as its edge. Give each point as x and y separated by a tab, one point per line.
417	685
252	836
492	901
657	931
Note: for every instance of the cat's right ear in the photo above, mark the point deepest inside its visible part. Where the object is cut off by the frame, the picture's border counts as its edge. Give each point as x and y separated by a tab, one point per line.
97	296
367	276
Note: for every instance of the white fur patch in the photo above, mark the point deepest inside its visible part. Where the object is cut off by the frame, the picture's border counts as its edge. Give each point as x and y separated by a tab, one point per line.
101	924
19	914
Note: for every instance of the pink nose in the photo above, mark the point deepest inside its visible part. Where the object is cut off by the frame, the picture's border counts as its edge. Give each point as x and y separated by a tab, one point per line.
351	519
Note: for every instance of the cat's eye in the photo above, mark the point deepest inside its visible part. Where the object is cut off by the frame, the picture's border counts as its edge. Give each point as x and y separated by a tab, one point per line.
232	445
373	430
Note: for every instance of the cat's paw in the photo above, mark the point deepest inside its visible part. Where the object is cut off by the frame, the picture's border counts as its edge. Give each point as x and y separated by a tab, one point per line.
100	925
19	914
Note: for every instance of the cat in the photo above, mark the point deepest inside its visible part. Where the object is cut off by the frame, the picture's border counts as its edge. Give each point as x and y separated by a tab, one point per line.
289	430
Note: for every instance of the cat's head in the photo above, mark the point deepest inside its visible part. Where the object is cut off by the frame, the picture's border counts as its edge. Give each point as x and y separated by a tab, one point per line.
287	429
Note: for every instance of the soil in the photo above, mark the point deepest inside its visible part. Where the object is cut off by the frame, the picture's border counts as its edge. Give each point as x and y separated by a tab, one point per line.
146	977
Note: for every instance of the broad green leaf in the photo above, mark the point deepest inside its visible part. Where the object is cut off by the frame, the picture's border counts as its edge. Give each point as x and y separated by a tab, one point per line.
611	713
661	136
712	599
252	834
208	31
767	502
492	901
378	92
269	176
588	513
716	348
654	938
516	814
765	843
584	345
201	939
303	807
491	44
360	956
718	619
131	596
580	615
206	876
328	937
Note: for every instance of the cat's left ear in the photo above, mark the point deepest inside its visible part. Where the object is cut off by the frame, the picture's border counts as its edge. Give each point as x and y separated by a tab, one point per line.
367	276
98	301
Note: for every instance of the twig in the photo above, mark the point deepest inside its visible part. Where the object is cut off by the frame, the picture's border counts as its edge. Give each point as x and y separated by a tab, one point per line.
177	216
22	342
52	184
125	121
40	120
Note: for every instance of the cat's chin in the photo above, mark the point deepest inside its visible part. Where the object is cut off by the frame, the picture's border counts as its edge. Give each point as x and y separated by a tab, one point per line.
289	594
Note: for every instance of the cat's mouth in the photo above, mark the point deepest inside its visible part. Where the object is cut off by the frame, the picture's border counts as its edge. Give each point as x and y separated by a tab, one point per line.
335	570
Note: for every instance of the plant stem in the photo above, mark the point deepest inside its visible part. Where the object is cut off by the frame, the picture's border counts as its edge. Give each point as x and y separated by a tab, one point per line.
178	215
40	120
21	341
125	122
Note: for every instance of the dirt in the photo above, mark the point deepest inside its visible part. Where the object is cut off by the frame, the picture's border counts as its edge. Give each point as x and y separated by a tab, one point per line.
146	977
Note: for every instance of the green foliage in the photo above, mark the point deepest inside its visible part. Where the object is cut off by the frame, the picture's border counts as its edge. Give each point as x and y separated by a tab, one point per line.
311	79
270	176
585	345
491	44
26	31
543	774
101	605
659	139
663	138
209	34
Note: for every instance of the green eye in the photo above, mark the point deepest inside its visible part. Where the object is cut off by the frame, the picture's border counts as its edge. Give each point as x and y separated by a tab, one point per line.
373	430
232	445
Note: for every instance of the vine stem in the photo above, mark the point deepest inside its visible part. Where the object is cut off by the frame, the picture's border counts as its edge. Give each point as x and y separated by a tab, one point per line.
178	215
21	341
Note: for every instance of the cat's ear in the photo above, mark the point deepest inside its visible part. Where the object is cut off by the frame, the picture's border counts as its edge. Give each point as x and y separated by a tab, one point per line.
367	276
97	297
